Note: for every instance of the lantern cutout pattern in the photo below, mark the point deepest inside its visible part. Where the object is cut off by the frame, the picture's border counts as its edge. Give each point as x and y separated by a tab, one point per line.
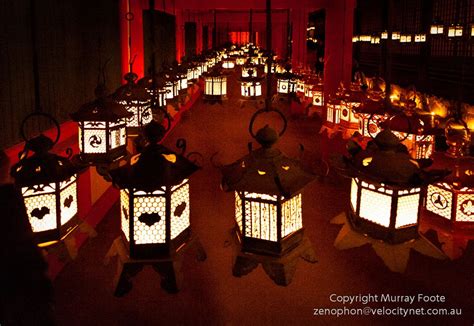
268	195
318	94
155	87
452	200
371	115
215	86
386	191
251	86
154	198
102	129
48	186
137	101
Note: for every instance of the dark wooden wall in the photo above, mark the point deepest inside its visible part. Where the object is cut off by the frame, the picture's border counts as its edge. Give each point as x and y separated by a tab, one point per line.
190	29
162	25
68	35
441	66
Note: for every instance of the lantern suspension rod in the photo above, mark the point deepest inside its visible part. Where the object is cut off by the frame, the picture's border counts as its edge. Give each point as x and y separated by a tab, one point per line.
35	56
269	49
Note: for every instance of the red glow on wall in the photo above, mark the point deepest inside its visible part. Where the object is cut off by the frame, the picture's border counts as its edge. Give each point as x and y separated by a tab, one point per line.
239	37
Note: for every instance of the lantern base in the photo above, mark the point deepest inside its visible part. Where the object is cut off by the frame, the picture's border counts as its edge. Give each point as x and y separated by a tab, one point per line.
271	248
158	250
390	235
169	268
101	158
280	269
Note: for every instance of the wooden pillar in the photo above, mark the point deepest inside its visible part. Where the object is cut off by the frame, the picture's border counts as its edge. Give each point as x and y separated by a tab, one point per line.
179	34
338	44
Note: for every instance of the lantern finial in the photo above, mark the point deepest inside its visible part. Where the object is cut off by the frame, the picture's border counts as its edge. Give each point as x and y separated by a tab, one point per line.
266	136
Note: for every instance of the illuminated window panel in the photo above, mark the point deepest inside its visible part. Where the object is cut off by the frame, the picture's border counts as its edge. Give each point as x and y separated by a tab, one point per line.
333	113
118	137
246	71
180	211
285	86
238	210
354	189
291	216
40	203
407	210
215	86
318	98
465	208
94	140
125	212
439	201
150	219
375	207
251	89
68	199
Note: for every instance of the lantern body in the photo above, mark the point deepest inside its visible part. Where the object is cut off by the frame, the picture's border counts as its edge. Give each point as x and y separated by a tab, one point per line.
228	64
420	38
246	71
419	146
385	212
450	203
251	88
348	117
155	222
215	86
240	60
267	223
436	29
141	111
369	124
302	87
103	138
193	74
273	68
318	97
396	36
455	31
286	85
333	115
384	35
51	209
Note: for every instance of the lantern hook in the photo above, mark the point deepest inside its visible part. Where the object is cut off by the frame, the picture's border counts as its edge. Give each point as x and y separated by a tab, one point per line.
267	110
46	115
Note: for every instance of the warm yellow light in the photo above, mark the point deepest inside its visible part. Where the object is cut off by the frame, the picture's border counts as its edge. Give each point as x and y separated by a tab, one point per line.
261	172
170	157
285	167
366	161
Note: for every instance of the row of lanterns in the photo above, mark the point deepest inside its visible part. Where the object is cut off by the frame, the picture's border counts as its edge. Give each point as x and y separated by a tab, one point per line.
453	31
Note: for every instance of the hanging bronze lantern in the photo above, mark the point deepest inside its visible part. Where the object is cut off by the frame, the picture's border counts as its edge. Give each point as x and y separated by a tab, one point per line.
154	196
137	101
268	194
452	200
102	129
215	86
48	185
386	190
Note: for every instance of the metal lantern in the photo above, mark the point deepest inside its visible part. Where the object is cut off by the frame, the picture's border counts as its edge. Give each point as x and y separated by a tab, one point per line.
193	73
172	83
137	101
251	86
182	76
384	35
48	185
386	190
415	132
396	35
420	38
333	111
436	28
351	100
455	30
268	195
215	85
318	93
156	88
102	129
286	82
247	68
452	200
154	198
228	63
371	115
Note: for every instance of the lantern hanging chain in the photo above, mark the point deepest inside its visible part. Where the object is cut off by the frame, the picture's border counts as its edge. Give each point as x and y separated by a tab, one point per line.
34	46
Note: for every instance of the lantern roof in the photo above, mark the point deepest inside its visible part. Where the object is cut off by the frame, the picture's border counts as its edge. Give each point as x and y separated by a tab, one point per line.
386	160
370	106
147	82
462	170
266	170
42	167
154	168
101	109
213	73
131	91
412	123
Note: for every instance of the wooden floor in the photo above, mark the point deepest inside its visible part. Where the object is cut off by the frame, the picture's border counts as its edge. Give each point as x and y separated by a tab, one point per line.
211	295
